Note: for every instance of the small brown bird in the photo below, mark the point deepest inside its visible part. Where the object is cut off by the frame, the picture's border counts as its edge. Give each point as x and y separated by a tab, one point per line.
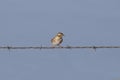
57	40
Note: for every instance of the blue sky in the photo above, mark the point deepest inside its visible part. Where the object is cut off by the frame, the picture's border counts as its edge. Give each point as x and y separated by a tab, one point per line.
84	22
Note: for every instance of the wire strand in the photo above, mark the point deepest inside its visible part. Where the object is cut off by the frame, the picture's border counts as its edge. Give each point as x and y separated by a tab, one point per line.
64	47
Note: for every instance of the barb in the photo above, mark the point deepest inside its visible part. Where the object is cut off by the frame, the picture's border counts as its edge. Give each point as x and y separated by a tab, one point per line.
66	47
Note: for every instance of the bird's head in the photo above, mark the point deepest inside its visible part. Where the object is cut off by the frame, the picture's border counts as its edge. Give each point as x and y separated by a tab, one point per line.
60	34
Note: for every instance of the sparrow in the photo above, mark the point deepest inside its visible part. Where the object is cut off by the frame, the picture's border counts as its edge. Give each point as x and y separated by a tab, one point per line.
57	40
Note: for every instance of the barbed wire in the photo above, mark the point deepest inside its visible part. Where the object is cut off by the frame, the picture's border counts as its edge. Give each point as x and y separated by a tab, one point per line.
63	47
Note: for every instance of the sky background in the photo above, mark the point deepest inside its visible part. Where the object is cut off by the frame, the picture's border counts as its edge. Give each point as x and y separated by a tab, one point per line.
84	23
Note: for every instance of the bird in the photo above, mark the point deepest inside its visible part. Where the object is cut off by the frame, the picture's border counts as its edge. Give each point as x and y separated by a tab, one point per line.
57	40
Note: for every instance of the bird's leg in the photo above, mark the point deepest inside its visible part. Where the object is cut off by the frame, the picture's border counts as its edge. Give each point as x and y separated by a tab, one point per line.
53	46
60	46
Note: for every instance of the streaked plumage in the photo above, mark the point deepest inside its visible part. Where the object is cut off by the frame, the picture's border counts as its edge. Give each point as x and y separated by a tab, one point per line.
57	40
